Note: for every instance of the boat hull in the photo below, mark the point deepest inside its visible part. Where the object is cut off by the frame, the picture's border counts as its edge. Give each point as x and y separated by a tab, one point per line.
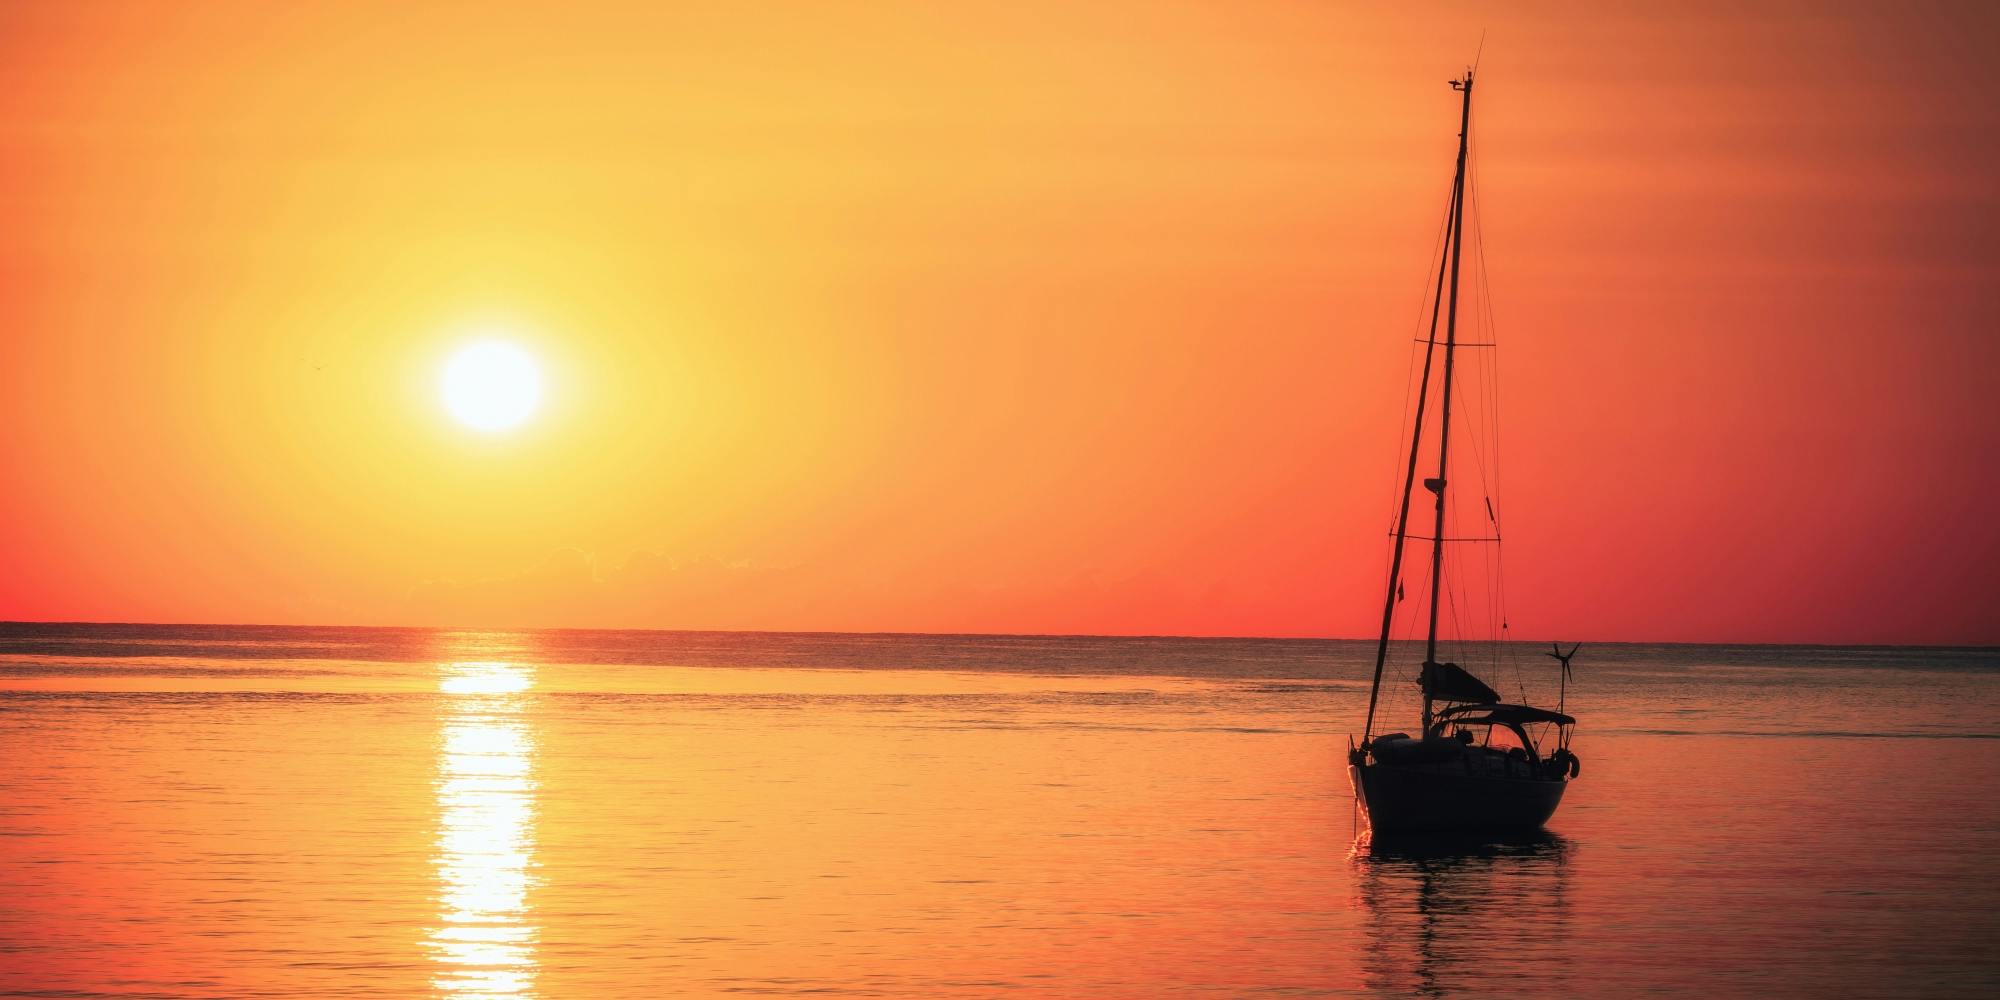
1399	799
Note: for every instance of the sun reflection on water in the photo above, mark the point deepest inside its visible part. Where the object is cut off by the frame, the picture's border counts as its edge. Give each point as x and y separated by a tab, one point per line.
484	944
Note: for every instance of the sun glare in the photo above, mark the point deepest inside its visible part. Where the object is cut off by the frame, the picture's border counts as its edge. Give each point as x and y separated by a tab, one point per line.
491	385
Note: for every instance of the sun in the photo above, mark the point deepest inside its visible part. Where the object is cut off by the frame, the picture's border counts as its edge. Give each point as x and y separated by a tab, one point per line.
491	385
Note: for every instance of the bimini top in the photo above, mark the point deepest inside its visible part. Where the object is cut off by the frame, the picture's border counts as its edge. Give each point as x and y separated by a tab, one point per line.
1506	715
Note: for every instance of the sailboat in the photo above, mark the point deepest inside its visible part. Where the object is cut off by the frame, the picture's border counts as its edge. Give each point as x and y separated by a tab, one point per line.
1476	762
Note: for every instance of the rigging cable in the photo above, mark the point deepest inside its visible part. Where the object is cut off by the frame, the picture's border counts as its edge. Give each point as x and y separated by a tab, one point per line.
1492	396
1409	372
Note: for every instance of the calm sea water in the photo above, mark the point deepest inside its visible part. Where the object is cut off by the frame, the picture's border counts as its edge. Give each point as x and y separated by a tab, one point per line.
250	812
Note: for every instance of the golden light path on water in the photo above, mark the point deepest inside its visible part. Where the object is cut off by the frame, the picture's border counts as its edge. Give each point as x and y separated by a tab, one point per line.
484	943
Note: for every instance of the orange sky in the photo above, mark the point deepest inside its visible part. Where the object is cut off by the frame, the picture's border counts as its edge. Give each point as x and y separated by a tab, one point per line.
1017	318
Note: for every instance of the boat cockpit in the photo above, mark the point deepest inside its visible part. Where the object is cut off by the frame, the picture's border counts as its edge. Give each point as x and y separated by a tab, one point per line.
1489	739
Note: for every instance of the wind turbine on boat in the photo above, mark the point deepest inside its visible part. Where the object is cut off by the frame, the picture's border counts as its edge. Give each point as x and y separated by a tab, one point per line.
1562	692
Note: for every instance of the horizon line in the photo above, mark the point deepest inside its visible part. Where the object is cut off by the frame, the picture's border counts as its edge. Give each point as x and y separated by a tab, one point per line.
993	635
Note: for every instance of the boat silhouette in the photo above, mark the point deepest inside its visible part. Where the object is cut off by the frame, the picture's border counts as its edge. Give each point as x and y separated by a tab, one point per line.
1475	762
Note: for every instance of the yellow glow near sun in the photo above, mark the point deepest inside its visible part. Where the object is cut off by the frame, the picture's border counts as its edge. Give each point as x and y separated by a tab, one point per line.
484	678
491	385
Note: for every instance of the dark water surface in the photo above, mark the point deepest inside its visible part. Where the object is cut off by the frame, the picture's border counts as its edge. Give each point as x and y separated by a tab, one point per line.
230	811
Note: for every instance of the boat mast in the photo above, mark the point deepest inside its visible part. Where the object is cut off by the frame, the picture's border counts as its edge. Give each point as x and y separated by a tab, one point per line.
1444	411
1389	600
1409	482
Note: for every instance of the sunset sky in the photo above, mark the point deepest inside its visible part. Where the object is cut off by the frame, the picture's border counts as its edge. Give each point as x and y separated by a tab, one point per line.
1022	317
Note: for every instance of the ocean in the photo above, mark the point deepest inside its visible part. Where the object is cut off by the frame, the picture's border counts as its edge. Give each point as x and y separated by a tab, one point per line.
225	811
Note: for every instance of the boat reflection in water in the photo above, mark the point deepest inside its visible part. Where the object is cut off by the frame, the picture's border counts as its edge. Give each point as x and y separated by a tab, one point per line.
484	943
1457	913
